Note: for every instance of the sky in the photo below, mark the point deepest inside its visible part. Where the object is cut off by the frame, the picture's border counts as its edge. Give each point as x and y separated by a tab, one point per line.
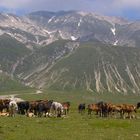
129	9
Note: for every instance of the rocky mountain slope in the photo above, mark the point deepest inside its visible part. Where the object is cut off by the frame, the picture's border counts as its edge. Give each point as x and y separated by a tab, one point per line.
71	50
42	28
92	66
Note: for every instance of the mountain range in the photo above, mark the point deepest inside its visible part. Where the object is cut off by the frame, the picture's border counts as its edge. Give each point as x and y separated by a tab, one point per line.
71	50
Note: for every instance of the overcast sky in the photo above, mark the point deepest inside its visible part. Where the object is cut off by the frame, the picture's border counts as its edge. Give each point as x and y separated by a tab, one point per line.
125	8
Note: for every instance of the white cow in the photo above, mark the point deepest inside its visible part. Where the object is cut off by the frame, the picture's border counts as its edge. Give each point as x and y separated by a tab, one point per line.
13	107
57	108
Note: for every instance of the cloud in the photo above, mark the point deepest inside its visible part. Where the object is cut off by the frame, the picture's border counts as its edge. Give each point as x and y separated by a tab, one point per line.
14	4
110	7
127	3
44	4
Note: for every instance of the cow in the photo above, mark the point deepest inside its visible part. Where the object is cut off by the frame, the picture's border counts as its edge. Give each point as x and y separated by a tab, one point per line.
81	108
13	107
66	107
102	108
57	108
114	109
33	106
40	109
44	107
93	107
138	105
4	104
23	107
129	109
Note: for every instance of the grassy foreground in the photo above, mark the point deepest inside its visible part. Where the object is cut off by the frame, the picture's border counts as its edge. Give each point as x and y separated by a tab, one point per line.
74	126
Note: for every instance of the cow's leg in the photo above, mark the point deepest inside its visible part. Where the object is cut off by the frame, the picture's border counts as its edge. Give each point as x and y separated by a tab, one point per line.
89	112
65	111
97	112
121	114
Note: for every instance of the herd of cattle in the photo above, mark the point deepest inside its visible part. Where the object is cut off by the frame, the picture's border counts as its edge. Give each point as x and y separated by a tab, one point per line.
104	109
51	108
9	107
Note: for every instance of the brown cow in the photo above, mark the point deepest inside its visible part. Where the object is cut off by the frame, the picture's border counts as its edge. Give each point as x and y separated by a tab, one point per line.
114	109
39	107
66	107
129	109
103	108
93	107
33	106
4	104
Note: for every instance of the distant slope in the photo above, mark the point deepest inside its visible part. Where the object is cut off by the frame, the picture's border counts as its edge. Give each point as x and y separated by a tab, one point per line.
8	84
66	65
71	50
11	53
42	60
95	67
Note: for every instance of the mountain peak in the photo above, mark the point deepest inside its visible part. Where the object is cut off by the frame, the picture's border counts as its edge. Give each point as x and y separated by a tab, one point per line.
44	27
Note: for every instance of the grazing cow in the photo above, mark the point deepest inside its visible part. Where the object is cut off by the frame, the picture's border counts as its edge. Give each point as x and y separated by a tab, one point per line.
44	107
93	107
138	105
81	108
129	109
1	105
33	106
4	104
23	107
102	108
120	109
114	109
57	108
40	109
12	108
66	107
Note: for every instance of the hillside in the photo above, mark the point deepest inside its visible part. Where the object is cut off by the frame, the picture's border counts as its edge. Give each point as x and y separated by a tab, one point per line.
92	66
42	60
98	67
71	50
9	85
11	53
41	28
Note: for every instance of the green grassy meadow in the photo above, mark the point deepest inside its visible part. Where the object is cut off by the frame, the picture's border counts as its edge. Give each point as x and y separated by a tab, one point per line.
75	126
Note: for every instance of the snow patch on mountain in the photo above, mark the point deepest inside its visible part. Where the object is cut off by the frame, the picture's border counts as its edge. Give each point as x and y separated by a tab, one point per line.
113	30
73	38
30	30
79	23
51	19
49	32
82	13
116	42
